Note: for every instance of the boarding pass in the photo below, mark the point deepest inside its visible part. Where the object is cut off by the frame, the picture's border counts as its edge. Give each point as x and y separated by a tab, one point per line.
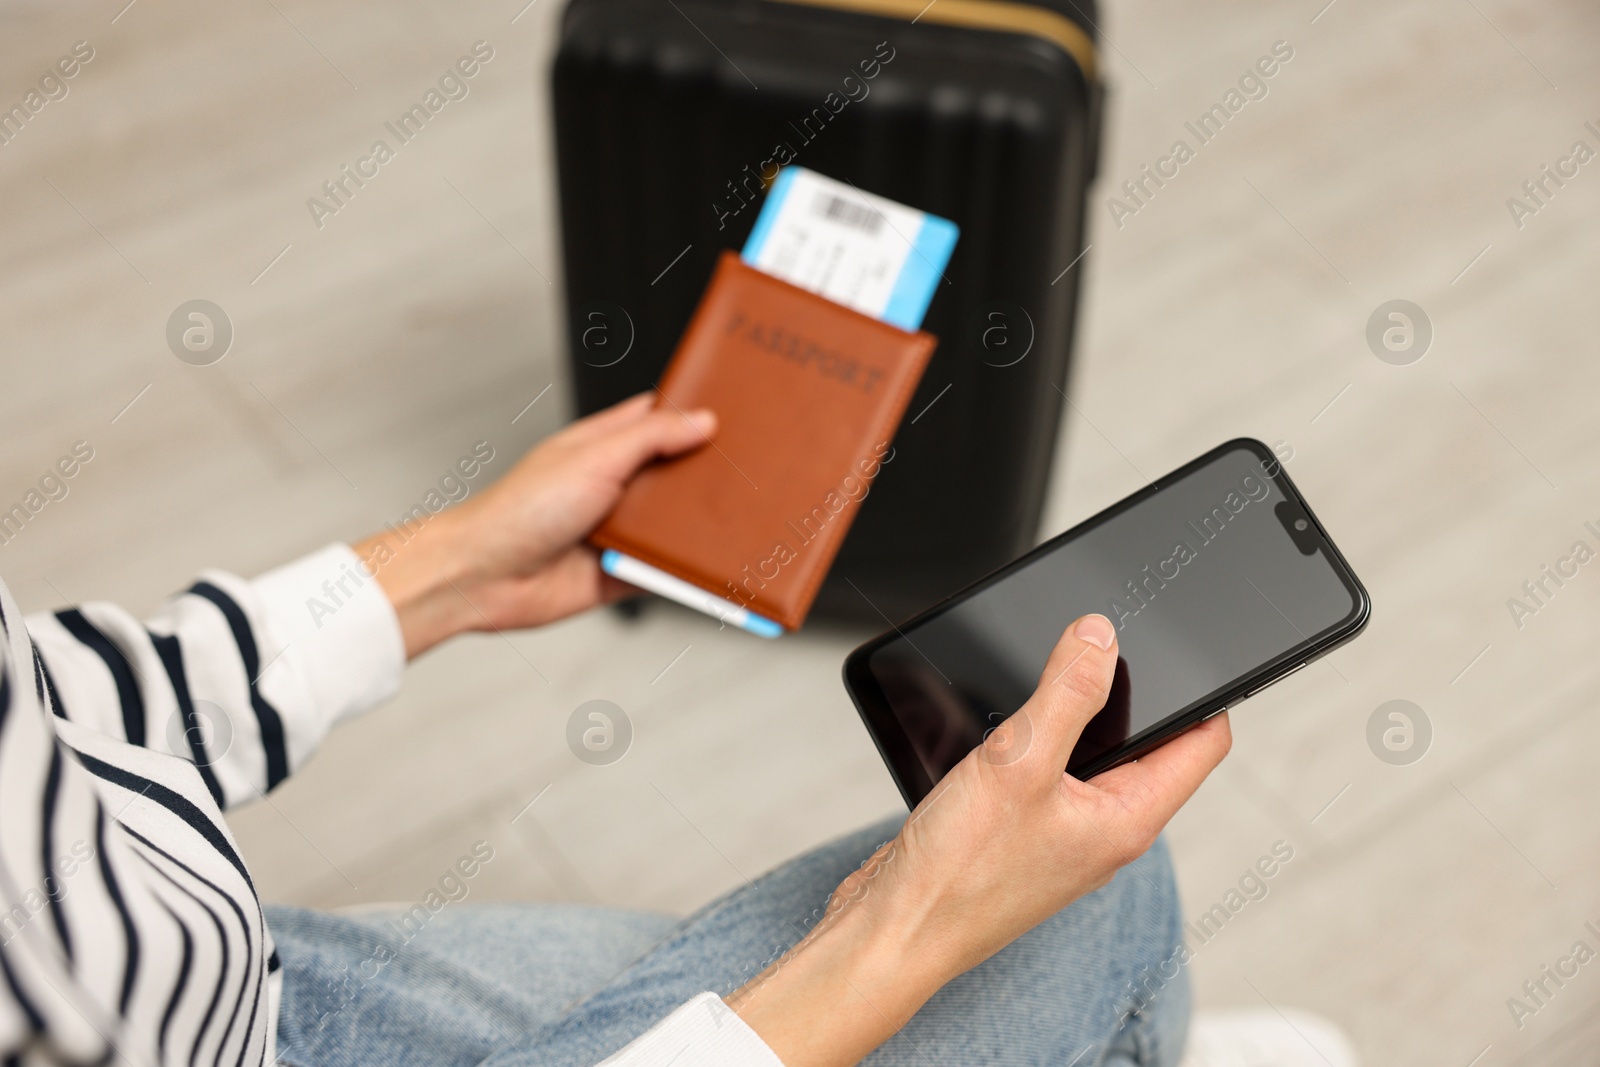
863	251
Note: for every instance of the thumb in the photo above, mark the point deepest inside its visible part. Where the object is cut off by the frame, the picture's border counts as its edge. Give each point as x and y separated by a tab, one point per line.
666	431
1072	688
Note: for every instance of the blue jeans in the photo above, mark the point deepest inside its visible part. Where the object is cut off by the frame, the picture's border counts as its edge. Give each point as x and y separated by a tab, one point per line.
556	985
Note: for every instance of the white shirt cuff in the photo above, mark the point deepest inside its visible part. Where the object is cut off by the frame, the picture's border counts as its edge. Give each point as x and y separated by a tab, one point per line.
341	628
704	1032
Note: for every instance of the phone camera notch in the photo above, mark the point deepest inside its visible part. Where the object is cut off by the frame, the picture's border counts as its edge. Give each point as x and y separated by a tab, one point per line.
1299	526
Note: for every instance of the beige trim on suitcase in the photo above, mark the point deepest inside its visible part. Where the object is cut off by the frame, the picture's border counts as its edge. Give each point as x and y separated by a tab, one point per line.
981	14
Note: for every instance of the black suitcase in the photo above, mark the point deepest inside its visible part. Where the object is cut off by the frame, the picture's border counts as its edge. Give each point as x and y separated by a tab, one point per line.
670	113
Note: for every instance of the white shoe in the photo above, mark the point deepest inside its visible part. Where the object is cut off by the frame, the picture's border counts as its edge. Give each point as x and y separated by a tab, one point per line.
1264	1038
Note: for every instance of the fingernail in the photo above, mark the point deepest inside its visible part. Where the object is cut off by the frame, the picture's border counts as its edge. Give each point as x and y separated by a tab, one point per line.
1097	630
704	420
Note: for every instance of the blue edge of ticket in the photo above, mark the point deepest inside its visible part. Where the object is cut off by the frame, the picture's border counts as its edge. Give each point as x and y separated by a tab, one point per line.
866	252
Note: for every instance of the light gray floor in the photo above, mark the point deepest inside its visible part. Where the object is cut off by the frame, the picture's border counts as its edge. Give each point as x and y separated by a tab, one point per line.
421	319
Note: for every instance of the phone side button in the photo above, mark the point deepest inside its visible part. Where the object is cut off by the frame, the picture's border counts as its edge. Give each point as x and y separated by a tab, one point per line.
1275	681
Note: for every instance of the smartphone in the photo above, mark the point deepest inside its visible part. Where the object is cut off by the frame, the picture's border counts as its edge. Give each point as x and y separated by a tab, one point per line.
1218	578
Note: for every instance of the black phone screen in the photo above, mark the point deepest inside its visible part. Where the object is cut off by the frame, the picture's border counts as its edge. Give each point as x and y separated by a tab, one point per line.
1211	576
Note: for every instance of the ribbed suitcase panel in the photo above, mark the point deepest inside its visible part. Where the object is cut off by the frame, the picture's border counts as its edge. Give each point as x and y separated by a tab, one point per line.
995	131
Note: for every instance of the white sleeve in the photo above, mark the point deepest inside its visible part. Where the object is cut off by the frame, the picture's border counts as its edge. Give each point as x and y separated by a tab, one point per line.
704	1032
338	631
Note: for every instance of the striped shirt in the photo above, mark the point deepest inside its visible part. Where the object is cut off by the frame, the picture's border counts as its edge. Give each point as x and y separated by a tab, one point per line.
130	928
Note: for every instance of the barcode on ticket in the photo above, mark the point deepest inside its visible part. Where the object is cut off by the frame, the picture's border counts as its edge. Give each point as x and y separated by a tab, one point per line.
838	209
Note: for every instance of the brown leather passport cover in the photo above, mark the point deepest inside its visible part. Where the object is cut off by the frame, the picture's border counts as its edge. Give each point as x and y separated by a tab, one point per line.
808	394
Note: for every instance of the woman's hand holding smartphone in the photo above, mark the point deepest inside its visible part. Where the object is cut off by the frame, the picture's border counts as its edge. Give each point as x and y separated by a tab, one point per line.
1004	841
1220	580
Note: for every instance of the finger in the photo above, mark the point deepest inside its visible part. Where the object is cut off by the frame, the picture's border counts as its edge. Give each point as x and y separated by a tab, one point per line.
662	433
575	581
1155	786
569	583
614	589
1072	688
609	420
